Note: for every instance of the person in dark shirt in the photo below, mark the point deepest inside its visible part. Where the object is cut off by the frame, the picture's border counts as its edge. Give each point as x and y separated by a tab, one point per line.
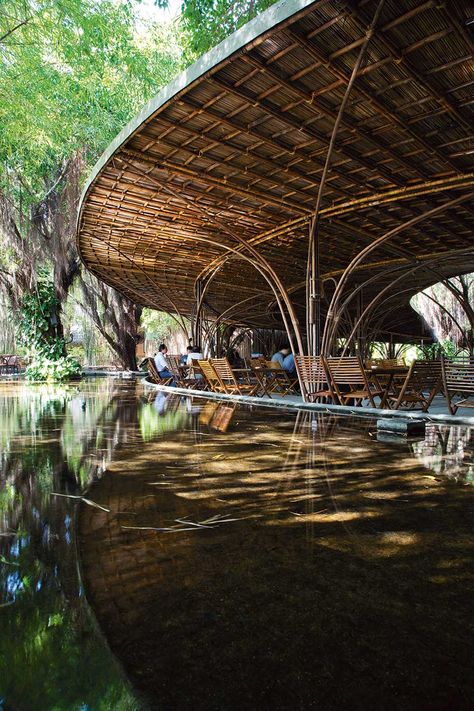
184	358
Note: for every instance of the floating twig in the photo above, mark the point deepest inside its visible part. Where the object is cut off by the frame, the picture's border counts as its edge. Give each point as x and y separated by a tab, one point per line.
8	562
6	604
211	522
82	498
191	523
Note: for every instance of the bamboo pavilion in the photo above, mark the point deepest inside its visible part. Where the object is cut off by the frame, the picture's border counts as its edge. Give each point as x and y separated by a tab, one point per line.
313	171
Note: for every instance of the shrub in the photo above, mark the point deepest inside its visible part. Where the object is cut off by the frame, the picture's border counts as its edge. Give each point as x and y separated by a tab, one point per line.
45	369
37	330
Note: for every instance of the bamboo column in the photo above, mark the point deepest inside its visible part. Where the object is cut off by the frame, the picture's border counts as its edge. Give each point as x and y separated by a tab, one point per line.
197	326
313	278
333	311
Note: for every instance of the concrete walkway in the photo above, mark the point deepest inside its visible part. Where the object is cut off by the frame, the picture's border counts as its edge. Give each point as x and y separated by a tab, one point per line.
438	413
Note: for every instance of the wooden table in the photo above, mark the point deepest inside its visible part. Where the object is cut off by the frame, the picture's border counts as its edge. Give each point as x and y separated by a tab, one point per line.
264	375
248	372
391	372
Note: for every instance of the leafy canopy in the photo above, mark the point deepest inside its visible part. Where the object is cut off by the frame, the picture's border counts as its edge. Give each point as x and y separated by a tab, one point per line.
208	22
72	73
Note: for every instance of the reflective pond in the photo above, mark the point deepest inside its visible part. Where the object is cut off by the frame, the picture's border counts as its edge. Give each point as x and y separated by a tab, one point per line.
228	557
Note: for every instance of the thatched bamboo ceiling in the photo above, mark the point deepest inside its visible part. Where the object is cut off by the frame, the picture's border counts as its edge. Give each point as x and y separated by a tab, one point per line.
234	150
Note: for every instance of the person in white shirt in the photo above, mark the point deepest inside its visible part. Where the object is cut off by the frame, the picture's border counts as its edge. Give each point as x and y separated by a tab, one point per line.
195	355
160	362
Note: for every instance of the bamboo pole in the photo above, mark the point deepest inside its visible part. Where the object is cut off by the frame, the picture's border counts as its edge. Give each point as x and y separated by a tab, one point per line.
332	311
378	296
258	262
313	281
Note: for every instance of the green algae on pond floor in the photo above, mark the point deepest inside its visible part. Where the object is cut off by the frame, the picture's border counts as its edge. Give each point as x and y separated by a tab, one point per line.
258	560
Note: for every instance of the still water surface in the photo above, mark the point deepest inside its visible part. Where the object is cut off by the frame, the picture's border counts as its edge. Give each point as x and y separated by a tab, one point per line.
240	559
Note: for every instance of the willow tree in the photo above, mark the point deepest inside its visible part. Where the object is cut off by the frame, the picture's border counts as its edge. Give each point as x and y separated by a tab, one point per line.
72	73
448	309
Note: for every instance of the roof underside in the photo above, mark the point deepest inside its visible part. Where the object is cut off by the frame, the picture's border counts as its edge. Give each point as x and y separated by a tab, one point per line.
234	150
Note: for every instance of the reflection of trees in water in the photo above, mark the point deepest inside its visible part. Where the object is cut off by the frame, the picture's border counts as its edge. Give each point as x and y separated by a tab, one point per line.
54	439
448	451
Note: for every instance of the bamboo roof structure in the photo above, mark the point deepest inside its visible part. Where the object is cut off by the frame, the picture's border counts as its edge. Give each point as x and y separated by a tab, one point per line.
226	161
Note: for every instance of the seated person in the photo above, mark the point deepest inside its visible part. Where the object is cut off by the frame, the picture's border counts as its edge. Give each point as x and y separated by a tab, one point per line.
195	354
233	356
161	364
289	364
184	358
279	356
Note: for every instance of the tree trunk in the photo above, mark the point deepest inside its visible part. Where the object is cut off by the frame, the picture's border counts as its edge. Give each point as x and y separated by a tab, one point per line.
115	316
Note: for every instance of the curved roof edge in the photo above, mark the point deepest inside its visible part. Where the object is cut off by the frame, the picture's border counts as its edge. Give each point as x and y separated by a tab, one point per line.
260	24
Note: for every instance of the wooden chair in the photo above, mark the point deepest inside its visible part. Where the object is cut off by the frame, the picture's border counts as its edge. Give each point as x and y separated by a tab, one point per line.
154	375
419	386
348	372
228	379
314	378
257	362
279	381
181	380
223	417
212	379
458	379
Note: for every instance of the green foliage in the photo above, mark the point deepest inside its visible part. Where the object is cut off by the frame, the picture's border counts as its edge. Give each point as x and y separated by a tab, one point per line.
433	351
44	369
208	22
72	73
158	325
36	330
36	322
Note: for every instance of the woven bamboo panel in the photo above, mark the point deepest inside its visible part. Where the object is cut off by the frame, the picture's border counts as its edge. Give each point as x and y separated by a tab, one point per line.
236	157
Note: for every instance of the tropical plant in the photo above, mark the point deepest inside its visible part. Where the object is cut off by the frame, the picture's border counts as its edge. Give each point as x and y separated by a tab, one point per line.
38	331
45	369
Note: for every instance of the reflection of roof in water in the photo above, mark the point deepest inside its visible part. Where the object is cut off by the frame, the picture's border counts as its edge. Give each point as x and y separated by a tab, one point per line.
308	553
235	147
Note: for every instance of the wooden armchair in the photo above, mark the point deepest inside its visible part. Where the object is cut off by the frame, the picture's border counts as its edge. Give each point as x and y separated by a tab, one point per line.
314	378
458	380
279	381
154	375
223	417
228	379
181	380
210	376
349	381
419	386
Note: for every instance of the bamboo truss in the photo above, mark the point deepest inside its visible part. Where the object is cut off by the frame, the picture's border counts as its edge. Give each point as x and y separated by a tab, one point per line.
350	122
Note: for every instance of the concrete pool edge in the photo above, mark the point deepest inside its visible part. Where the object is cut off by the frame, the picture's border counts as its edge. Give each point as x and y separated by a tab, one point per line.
343	410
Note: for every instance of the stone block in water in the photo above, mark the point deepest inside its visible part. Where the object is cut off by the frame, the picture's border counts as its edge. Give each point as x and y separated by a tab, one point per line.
398	427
